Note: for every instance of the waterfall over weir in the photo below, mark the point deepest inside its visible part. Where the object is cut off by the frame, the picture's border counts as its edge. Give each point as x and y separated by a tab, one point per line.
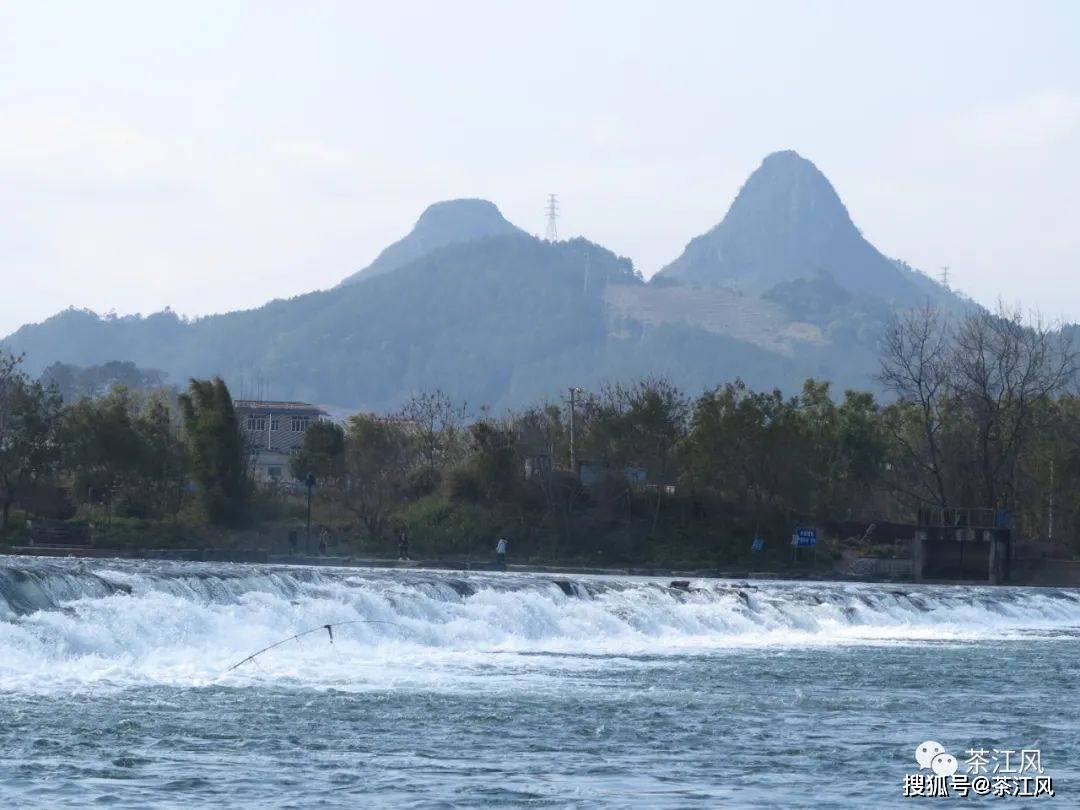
118	623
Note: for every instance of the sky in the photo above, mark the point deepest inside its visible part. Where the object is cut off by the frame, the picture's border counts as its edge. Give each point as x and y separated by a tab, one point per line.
213	156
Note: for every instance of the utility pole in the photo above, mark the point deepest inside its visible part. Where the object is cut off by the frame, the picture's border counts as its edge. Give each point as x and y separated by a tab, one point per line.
552	234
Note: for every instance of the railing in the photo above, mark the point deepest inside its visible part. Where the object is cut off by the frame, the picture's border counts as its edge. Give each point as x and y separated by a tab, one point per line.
964	518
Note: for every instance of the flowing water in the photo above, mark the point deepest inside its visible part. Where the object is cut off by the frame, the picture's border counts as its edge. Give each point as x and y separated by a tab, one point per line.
483	689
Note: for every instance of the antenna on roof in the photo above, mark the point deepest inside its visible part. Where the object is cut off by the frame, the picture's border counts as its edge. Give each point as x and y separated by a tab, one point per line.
552	234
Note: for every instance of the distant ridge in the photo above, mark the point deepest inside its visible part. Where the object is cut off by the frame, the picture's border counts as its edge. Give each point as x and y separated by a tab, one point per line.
788	223
442	223
784	288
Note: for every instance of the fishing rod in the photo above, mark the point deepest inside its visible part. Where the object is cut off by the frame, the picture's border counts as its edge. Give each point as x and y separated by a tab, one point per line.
329	628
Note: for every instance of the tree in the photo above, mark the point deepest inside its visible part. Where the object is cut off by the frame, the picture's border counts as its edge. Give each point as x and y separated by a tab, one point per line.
215	449
916	366
1052	479
378	456
322	453
541	429
1047	487
436	422
165	475
749	449
103	448
1004	369
862	445
968	396
824	465
74	382
490	471
28	421
639	424
124	451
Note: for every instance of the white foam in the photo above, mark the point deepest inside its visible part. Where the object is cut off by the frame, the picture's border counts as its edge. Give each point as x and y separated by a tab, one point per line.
76	625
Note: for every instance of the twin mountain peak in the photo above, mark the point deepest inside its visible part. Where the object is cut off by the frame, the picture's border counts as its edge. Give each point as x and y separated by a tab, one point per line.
784	287
787	224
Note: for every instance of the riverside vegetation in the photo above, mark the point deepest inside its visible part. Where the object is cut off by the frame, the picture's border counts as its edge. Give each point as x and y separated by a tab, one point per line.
981	414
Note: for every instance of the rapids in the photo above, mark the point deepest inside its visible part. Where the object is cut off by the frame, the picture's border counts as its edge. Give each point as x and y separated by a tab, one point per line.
605	689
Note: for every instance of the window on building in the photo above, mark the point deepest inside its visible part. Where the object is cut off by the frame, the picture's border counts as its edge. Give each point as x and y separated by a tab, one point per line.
300	423
274	472
275	423
256	423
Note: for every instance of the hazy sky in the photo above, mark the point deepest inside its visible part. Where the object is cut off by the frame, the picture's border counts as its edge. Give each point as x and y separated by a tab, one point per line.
214	156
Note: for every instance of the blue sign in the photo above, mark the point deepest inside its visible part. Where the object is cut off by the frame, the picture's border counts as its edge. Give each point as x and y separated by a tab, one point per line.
804	538
758	544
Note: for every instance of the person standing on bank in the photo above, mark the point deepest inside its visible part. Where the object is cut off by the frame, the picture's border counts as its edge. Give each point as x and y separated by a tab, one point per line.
403	544
500	553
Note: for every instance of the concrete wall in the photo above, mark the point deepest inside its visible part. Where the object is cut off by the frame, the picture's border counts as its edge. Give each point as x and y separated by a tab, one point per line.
954	560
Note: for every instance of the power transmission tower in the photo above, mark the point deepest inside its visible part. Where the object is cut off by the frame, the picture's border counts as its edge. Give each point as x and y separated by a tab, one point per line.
552	215
945	276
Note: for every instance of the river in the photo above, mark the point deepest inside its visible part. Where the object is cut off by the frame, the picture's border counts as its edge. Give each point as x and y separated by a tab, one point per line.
451	689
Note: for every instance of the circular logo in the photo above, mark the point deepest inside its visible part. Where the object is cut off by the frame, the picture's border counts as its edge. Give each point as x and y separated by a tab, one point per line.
927	751
943	764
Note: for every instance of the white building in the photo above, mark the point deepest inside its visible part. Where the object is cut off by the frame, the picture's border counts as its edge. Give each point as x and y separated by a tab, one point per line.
274	431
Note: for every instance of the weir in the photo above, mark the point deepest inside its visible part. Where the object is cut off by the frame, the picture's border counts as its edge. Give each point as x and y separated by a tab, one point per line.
232	609
129	622
972	544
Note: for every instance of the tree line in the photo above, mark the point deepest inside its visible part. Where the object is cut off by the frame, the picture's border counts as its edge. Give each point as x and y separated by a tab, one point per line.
140	453
979	411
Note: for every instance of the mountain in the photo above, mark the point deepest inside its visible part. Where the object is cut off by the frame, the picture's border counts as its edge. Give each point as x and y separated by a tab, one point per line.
788	223
443	223
503	321
492	321
783	288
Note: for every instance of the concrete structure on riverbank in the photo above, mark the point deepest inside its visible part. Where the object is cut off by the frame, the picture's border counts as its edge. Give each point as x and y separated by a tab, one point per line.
959	544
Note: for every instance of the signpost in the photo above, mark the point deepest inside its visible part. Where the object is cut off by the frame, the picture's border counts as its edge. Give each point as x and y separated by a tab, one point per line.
803	538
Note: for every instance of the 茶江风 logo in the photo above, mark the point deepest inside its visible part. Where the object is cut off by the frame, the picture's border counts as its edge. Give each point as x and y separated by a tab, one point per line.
994	772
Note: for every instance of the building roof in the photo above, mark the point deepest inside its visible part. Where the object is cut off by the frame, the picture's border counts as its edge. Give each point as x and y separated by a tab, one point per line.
273	405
